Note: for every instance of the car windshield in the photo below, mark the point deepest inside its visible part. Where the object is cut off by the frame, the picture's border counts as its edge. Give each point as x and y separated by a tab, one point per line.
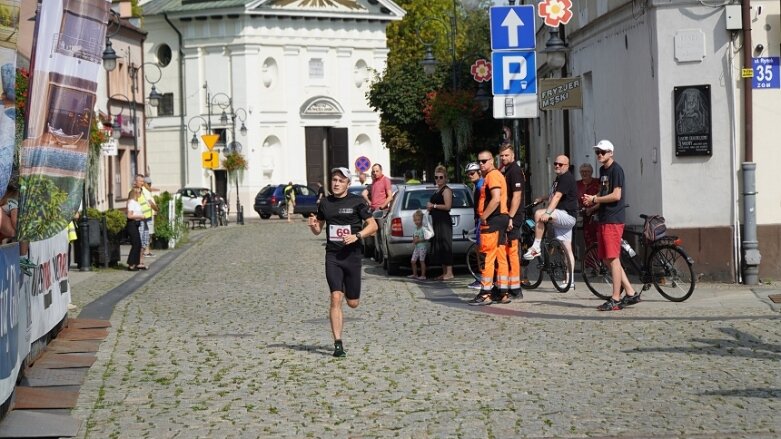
414	200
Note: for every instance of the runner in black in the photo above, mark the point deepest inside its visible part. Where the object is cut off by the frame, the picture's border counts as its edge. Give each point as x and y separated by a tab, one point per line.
342	214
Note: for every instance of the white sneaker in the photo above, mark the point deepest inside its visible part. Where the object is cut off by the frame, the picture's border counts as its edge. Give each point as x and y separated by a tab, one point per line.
531	253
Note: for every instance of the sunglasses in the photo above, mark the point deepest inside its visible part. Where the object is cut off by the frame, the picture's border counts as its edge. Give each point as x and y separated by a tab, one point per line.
483	161
557	164
439	177
601	151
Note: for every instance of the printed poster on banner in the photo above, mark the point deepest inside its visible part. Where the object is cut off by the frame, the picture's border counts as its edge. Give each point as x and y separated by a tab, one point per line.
9	32
48	289
65	61
14	345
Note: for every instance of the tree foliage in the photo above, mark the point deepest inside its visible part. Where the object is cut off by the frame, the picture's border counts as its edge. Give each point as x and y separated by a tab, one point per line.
400	93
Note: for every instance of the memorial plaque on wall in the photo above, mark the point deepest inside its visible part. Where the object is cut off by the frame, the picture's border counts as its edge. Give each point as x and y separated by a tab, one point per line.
693	131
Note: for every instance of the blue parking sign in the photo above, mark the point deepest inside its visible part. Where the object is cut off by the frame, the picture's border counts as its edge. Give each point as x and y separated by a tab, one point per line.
766	72
514	73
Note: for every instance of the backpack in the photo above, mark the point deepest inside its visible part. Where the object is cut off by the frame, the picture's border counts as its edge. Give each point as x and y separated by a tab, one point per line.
288	193
654	228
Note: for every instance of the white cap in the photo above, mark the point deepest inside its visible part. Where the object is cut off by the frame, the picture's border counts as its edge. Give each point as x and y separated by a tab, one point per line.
604	145
343	171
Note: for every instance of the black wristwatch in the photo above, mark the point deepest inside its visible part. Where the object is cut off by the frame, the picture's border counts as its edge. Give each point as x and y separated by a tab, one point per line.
358	235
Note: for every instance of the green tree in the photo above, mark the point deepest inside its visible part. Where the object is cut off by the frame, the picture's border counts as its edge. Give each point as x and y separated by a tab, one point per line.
400	94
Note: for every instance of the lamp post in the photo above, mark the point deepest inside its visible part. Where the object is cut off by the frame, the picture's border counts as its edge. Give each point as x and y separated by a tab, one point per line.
229	113
429	64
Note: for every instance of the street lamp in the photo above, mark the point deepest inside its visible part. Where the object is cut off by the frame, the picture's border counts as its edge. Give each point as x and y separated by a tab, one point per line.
233	146
555	50
429	64
229	114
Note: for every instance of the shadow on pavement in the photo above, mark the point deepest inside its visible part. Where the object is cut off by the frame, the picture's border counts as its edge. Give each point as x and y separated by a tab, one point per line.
741	344
302	348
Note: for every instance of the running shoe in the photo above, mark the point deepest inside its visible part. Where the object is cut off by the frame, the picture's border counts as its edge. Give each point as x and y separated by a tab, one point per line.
476	285
531	253
504	299
339	349
481	300
611	305
630	300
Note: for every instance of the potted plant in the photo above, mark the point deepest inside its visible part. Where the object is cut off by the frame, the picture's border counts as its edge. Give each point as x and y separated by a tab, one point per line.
169	227
112	224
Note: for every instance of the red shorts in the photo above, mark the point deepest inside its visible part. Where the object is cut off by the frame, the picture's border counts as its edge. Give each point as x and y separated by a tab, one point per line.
609	240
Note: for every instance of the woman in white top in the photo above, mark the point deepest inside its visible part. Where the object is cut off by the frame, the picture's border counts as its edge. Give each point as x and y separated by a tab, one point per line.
134	215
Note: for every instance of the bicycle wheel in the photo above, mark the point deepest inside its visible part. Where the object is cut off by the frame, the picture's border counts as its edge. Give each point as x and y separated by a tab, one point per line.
596	274
531	272
559	267
672	273
475	261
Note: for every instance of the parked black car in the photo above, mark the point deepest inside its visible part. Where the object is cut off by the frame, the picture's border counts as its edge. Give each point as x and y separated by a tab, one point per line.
271	201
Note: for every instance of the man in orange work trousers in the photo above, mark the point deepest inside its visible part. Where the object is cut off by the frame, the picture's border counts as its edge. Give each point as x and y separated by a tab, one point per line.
492	209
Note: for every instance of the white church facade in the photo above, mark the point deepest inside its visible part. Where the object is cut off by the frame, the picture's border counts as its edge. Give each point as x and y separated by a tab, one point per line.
293	72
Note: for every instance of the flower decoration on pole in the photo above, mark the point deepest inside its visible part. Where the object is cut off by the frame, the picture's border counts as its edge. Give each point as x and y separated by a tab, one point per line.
555	12
482	70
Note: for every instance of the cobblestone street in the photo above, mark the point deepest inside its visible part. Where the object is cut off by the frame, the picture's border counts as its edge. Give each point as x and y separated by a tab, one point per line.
232	339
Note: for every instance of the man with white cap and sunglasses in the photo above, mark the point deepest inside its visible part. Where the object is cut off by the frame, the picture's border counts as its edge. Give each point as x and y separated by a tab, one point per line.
342	215
611	217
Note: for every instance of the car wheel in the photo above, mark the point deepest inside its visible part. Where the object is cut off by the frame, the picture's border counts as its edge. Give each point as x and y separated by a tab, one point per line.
283	211
265	216
368	247
393	268
198	210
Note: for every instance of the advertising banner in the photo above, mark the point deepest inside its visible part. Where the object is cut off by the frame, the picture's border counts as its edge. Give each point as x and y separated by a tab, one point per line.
66	58
48	288
9	32
13	342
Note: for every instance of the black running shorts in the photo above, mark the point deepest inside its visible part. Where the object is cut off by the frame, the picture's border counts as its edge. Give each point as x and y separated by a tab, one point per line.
343	271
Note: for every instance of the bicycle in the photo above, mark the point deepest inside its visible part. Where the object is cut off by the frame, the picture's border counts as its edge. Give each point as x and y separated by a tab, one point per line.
553	257
555	261
666	266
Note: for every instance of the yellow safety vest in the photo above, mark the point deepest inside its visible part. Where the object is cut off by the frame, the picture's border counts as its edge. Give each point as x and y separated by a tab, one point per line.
146	209
72	232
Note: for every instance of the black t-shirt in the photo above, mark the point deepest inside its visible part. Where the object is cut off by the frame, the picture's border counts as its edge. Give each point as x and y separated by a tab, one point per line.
566	184
342	216
514	178
609	179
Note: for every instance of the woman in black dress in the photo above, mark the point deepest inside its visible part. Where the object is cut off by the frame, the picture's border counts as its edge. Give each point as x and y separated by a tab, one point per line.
439	208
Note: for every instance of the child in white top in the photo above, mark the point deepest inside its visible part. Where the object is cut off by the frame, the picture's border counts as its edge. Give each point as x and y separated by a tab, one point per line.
421	247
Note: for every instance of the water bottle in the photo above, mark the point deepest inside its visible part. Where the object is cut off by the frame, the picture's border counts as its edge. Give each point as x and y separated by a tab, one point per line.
625	245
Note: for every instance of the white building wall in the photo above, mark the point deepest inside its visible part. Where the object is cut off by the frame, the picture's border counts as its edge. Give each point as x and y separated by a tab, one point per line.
709	177
766	31
263	63
616	58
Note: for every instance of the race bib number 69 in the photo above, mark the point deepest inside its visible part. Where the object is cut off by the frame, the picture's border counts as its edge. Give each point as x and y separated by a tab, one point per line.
337	233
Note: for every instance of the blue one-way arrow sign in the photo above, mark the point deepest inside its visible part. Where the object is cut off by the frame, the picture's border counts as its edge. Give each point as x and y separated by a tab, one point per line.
512	27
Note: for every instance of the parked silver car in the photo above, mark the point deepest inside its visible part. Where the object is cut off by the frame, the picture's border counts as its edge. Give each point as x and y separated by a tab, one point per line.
398	225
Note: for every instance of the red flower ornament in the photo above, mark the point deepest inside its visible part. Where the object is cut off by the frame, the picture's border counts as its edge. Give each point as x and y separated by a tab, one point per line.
482	70
555	12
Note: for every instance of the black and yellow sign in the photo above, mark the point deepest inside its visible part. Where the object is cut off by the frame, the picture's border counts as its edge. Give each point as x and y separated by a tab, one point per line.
210	160
747	73
560	93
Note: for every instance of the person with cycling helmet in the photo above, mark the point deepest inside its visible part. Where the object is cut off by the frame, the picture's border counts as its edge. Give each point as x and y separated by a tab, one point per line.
472	171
